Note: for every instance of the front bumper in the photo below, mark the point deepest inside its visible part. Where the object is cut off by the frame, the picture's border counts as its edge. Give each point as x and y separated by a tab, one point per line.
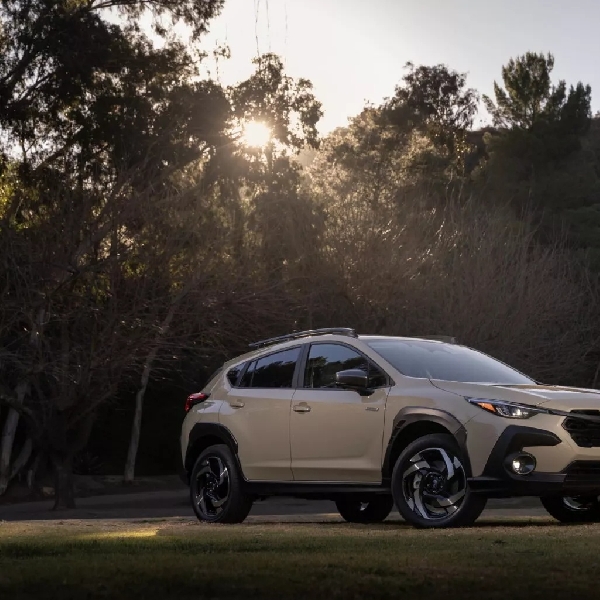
580	477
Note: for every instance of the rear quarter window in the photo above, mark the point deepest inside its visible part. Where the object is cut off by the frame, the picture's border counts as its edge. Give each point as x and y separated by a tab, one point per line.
234	373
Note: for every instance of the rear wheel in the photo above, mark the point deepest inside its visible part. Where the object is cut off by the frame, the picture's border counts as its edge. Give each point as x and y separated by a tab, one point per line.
216	487
429	484
573	509
372	511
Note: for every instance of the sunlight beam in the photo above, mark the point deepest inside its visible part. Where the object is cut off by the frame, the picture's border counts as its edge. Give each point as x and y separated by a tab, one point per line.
256	134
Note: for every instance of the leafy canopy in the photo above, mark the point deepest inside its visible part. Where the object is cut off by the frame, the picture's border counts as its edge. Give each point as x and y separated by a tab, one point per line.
529	97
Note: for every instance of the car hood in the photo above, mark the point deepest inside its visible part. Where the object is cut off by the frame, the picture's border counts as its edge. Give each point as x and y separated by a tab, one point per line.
549	396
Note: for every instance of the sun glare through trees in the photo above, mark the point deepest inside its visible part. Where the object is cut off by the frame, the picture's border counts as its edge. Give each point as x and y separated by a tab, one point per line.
256	134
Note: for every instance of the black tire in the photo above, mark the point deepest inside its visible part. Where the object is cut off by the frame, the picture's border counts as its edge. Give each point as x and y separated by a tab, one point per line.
578	509
431	492
374	510
216	487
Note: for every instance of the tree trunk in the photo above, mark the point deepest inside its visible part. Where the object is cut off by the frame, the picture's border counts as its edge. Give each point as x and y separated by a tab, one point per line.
136	426
32	470
22	458
64	488
8	437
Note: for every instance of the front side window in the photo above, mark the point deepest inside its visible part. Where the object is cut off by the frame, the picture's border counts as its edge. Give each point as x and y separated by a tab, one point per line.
445	362
272	371
325	360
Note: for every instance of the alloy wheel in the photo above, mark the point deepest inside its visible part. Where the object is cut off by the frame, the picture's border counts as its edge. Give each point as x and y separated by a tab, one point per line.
212	487
435	484
578	503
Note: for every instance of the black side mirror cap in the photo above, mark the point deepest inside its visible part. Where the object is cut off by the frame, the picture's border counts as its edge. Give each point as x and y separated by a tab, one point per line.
354	379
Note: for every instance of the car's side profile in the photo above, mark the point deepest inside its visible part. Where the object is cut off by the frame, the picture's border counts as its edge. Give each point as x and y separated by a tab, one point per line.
427	425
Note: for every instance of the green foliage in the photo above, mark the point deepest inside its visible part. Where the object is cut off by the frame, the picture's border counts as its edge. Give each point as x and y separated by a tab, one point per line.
543	156
287	106
117	102
436	101
529	98
436	96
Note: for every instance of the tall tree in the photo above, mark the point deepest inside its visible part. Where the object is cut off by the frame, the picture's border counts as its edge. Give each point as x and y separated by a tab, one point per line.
537	155
267	178
436	101
287	106
529	97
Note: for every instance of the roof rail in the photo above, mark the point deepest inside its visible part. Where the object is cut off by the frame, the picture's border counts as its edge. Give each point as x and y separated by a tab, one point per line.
440	338
300	334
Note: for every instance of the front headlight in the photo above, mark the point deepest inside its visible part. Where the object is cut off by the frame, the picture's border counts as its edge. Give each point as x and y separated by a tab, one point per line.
510	410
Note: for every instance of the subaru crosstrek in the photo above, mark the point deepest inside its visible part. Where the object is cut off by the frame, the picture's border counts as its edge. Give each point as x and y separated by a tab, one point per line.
430	426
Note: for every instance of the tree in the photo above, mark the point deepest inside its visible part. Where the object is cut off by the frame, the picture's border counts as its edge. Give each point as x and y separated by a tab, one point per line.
529	98
436	101
460	267
54	100
538	156
287	106
93	141
264	183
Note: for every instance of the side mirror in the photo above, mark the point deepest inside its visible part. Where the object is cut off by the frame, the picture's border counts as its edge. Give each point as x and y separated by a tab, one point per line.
354	379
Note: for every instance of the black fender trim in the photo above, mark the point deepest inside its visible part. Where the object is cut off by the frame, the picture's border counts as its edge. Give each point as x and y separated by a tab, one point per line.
415	414
204	430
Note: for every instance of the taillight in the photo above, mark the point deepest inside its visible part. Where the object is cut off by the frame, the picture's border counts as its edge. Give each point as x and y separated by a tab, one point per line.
194	399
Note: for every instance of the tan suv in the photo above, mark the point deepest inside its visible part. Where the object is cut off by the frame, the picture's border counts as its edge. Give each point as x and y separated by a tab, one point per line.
370	421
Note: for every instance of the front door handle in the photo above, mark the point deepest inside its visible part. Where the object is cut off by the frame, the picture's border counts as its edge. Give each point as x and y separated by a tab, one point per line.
236	404
372	408
301	408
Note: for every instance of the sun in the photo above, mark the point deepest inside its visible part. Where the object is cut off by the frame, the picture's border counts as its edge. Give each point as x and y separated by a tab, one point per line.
256	134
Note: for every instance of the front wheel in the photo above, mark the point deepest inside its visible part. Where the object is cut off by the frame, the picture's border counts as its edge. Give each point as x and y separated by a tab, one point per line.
372	511
429	484
216	488
573	509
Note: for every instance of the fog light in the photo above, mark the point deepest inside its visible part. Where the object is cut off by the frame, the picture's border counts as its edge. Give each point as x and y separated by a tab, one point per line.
522	463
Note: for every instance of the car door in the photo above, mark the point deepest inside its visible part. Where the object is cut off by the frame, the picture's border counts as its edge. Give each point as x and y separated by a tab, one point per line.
337	434
257	412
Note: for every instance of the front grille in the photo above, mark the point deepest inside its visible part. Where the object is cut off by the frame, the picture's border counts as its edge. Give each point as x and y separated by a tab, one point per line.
583	476
585	434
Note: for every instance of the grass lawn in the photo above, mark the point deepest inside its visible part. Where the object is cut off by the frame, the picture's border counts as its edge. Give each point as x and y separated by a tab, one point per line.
178	558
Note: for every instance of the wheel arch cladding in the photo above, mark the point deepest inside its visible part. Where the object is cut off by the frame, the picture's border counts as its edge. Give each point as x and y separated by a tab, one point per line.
411	423
204	435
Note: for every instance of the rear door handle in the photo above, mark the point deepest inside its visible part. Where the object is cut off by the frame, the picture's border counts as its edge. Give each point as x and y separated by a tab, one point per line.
301	408
236	404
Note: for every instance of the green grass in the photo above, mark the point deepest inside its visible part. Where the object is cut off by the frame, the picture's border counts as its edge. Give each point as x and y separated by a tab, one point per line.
180	559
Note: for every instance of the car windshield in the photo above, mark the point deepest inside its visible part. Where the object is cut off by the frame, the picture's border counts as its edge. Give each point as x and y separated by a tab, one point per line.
446	362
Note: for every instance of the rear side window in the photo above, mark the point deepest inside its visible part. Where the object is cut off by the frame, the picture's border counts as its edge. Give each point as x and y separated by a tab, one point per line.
272	371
